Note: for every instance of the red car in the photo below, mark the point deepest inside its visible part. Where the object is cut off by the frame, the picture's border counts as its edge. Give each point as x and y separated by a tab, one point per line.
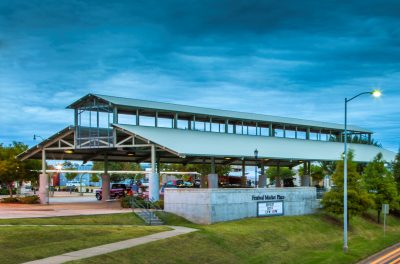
116	191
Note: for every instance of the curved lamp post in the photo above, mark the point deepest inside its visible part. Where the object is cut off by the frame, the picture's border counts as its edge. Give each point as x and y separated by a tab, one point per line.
375	93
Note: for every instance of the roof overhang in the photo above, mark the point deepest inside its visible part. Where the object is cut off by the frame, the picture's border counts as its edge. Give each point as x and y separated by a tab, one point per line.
188	146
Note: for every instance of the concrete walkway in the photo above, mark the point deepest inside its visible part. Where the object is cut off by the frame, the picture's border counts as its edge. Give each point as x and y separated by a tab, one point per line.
108	248
8	211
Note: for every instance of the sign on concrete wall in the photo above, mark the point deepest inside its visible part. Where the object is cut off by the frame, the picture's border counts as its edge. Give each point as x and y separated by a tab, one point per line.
270	208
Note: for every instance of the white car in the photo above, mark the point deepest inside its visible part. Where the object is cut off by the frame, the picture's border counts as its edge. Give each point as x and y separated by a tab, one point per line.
74	183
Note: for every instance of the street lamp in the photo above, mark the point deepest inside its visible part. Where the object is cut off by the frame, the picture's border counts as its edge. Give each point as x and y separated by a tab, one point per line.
35	137
374	93
255	167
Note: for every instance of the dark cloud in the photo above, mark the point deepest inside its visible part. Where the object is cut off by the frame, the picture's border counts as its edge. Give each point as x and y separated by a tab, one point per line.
172	50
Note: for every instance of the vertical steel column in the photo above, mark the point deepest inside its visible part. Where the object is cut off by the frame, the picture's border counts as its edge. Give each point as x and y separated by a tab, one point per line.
194	122
271	131
176	120
137	117
256	129
156	120
308	133
115	121
210	124
76	120
226	126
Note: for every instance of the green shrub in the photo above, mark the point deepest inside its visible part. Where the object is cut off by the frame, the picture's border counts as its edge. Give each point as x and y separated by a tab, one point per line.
159	204
10	200
34	199
4	191
126	202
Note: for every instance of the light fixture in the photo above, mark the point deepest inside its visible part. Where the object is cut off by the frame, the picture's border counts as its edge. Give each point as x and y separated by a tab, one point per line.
376	93
69	151
227	158
255	153
130	154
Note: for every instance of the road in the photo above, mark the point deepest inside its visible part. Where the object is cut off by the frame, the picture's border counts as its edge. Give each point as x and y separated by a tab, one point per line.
390	255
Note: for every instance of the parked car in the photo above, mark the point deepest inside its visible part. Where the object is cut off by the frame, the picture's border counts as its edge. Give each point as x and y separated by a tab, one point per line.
116	191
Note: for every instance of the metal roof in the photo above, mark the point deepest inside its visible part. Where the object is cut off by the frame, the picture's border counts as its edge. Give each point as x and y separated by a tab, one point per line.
158	106
211	144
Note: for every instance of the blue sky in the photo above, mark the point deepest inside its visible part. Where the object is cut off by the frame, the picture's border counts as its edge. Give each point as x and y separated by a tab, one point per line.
288	58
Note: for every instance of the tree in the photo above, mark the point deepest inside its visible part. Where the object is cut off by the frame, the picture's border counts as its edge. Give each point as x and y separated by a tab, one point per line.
69	166
358	200
396	170
380	184
317	172
12	169
285	174
119	166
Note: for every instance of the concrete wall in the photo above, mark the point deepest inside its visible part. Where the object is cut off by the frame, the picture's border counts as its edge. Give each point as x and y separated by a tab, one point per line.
206	206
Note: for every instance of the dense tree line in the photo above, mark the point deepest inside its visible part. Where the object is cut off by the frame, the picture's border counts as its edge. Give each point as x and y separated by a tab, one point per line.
13	170
377	183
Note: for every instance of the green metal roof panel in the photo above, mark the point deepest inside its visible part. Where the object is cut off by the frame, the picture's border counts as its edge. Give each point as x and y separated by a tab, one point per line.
197	143
151	105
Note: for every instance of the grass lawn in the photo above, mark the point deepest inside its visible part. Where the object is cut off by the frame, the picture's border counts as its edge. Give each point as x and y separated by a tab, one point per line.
297	239
24	243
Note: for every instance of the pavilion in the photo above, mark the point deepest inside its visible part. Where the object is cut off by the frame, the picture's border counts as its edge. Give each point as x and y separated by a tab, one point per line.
109	128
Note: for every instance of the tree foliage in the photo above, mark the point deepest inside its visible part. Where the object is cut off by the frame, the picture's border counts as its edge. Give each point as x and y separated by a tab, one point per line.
67	165
380	184
285	174
317	171
396	170
358	200
203	169
12	170
119	166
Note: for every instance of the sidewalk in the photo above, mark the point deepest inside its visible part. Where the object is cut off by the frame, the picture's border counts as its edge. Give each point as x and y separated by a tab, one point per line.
62	209
108	248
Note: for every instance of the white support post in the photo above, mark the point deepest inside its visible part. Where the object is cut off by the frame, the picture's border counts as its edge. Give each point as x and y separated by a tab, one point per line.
44	181
154	182
105	181
212	177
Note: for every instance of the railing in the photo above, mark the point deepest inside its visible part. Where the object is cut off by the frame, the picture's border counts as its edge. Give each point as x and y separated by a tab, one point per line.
148	208
320	192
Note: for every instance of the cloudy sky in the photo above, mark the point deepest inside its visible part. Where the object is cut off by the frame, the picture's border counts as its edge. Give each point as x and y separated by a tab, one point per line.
288	58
